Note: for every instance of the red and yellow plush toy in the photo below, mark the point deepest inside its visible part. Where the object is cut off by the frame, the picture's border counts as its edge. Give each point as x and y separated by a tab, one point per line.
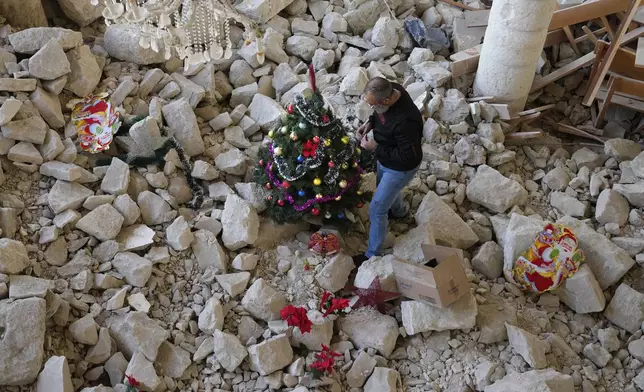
96	122
552	258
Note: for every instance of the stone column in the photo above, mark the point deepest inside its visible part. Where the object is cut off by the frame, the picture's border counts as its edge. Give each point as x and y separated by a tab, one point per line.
514	39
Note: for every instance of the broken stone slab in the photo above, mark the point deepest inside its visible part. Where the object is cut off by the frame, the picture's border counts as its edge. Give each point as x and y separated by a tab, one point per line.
25	286
85	72
48	106
135	269
265	111
22	348
122	41
335	273
13	256
183	122
622	149
240	223
135	237
521	232
263	301
172	360
361	369
597	354
9	109
228	350
581	292
32	130
528	346
49	62
101	351
104	222
634	193
368	328
208	252
607	261
489	260
117	178
84	330
377	268
568	205
135	331
211	317
409	245
419	317
154	209
611	207
234	284
626	308
178	234
17	85
533	381
383	380
448	227
494	191
66	195
320	334
29	41
55	376
270	355
143	371
491	320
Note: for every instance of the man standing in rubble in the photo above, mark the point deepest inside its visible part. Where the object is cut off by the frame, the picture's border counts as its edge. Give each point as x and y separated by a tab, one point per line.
397	127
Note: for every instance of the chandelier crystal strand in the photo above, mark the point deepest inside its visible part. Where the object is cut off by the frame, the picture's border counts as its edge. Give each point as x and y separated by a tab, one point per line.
197	30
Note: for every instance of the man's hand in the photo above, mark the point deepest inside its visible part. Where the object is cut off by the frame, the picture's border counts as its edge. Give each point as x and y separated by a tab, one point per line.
363	130
368	144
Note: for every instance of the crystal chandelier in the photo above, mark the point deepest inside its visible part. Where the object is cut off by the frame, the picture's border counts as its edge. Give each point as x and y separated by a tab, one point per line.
197	30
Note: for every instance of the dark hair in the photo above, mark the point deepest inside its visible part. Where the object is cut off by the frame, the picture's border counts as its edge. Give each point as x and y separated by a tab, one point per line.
380	88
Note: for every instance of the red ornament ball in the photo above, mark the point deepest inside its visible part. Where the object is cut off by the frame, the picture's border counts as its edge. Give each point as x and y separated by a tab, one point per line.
325	118
286	185
331	164
280	202
316	139
269	197
290	108
315	211
360	205
268	185
261	162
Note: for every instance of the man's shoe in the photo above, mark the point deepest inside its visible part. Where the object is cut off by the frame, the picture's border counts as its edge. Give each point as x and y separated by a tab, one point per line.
407	209
359	259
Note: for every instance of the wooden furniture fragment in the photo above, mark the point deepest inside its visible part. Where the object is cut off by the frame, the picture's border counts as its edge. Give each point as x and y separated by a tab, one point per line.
623	86
561	72
607	59
639	55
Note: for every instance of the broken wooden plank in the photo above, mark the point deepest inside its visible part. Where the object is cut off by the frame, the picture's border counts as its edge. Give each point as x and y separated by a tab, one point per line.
622	100
566	70
639	56
537	110
592	35
488	99
459	5
477	18
606	24
555	37
610	91
587	11
633	35
639	16
516	136
570	130
610	55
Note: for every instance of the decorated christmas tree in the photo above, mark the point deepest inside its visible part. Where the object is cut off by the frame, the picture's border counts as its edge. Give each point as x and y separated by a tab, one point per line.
311	163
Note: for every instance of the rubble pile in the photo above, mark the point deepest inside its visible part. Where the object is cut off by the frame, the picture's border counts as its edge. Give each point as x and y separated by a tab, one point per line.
104	273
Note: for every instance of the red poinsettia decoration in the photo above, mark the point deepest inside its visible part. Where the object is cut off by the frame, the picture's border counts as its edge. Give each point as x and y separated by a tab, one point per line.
325	361
132	384
331	305
309	148
296	317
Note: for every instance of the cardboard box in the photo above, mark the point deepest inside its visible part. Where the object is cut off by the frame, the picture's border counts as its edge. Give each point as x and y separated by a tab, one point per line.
438	286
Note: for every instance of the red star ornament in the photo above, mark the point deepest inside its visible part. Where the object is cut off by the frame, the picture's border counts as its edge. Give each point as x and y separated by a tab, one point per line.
373	296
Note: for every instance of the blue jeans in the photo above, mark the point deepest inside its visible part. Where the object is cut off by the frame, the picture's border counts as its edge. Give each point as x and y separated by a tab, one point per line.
387	197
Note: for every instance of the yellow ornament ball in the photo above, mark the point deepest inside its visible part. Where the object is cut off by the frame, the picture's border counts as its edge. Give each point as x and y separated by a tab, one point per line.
359	193
345	166
358	151
318	196
271	134
284	129
343	184
278	151
338	198
345	139
355	164
317	182
327	142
